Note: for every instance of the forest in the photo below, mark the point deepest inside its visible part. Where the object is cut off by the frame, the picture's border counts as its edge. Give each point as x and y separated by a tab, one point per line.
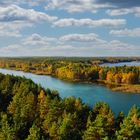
30	112
81	69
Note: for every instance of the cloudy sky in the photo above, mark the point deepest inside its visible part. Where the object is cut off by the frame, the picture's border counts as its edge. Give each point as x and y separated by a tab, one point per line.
69	27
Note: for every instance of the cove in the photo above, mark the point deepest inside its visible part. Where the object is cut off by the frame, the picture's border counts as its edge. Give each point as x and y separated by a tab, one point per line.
89	93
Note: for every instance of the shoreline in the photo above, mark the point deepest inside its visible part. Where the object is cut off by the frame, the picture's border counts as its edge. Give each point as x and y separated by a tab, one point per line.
125	88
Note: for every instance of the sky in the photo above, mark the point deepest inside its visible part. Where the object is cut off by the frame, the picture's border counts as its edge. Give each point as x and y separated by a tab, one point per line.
69	28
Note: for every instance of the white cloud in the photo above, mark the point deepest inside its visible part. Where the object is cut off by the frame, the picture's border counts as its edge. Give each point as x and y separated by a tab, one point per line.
76	5
91	37
15	13
14	18
37	45
6	33
118	45
12	29
15	25
36	39
11	49
124	11
126	32
21	2
116	12
25	50
112	48
89	22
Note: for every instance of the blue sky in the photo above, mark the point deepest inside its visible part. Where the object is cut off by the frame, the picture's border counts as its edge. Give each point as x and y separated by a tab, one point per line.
69	28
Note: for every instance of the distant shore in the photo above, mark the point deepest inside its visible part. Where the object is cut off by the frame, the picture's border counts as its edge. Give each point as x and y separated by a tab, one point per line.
125	88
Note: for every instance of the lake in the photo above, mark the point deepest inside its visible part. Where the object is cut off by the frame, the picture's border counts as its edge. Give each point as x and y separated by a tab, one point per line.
89	93
133	63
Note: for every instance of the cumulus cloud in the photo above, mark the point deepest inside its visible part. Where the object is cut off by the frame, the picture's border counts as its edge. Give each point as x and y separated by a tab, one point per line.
15	25
124	11
15	13
126	32
14	18
85	4
21	50
118	6
121	3
37	45
22	2
90	5
12	50
118	45
6	33
76	5
112	48
12	29
91	37
36	39
89	22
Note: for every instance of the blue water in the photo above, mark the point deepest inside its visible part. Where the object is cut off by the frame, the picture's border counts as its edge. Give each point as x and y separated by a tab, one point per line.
133	63
89	93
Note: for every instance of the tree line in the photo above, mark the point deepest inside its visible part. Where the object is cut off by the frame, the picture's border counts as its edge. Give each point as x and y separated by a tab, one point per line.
79	69
30	112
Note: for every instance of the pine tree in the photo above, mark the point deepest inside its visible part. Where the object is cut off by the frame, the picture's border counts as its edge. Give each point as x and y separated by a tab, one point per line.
34	133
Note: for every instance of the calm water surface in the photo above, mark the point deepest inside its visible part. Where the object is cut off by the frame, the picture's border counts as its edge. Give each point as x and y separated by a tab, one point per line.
89	93
133	63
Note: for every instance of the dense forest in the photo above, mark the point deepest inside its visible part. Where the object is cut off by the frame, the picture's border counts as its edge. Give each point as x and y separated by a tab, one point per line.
30	112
